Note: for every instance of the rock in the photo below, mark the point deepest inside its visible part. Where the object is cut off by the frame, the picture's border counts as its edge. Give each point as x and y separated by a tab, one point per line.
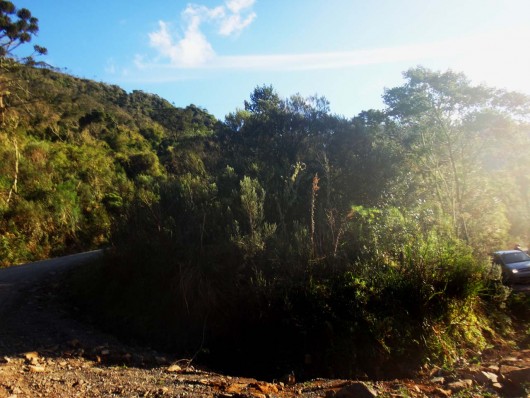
356	390
507	369
513	379
510	374
516	375
442	392
438	380
174	369
494	368
236	388
36	369
460	385
484	377
432	371
265	388
513	390
31	355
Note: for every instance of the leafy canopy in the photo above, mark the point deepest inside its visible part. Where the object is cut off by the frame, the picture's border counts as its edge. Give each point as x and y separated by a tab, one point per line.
17	27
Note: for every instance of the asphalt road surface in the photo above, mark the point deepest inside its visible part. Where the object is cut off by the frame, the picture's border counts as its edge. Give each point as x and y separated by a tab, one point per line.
14	279
30	316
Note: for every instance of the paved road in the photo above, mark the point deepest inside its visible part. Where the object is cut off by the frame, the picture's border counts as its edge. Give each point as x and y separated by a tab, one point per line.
32	271
13	279
29	315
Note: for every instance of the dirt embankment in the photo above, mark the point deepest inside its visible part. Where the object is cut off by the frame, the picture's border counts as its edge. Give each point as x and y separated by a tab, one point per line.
46	352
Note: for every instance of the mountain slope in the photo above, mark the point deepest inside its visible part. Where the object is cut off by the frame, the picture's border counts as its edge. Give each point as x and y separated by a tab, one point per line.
72	151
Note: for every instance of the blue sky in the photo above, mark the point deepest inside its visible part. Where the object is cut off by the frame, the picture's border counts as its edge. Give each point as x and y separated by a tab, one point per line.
212	53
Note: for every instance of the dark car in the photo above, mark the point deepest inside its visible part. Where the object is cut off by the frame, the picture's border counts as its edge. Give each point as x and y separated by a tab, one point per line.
515	265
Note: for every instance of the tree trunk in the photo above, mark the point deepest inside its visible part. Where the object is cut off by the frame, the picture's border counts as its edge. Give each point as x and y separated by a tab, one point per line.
14	187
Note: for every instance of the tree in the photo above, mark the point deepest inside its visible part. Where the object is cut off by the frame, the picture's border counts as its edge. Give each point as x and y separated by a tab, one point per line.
447	127
252	197
17	27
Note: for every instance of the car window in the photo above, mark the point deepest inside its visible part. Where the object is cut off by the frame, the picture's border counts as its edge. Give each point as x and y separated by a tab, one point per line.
517	257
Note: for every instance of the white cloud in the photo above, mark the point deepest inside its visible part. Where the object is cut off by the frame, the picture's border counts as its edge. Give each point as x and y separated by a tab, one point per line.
161	40
193	49
235	23
111	68
236	6
496	58
492	50
341	59
197	14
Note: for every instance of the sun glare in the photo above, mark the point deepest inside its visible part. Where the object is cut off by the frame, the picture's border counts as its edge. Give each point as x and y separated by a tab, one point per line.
498	59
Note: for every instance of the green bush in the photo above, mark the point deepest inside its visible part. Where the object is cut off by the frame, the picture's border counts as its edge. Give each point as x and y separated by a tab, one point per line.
177	279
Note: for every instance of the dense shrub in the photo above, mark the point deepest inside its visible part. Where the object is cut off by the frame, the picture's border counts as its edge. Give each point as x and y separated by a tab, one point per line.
254	302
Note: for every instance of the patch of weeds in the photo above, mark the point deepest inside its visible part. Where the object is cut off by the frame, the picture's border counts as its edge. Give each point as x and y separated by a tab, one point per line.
474	392
400	392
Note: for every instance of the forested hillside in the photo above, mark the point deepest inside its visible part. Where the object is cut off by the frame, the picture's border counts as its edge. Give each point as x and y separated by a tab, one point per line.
284	230
73	152
316	243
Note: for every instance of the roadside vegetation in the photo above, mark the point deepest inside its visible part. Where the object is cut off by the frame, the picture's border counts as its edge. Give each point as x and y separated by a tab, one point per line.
284	238
324	245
